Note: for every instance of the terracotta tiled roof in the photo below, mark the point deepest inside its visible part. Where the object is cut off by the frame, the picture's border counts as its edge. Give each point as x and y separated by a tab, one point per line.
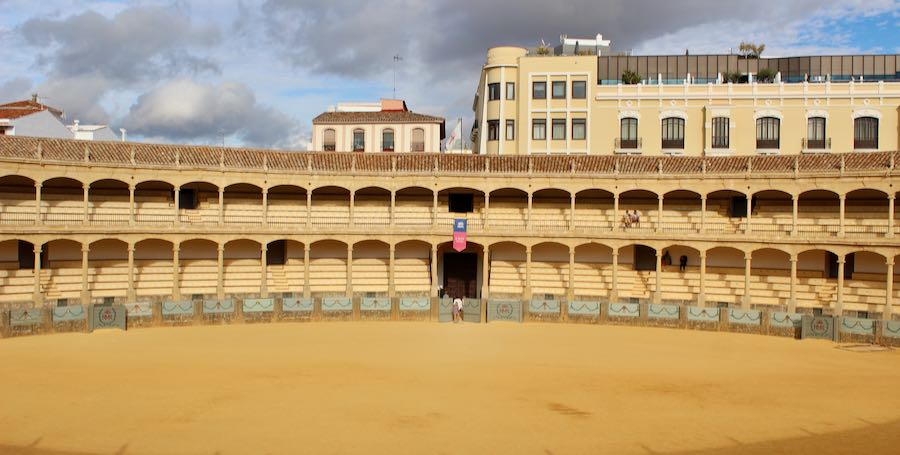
19	109
15	148
375	117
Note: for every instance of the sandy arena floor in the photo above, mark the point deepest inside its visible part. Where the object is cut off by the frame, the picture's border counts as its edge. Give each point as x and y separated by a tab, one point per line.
444	389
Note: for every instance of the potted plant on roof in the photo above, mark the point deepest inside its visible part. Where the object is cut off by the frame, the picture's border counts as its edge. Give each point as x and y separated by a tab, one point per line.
630	77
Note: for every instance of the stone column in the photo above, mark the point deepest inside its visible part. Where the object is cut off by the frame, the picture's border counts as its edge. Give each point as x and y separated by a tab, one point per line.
703	214
306	290
37	203
796	202
131	205
309	209
352	203
527	295
486	274
176	284
38	295
392	291
570	292
572	213
487	209
839	307
657	293
614	295
434	271
265	206
221	206
843	203
349	270
749	228
659	213
890	230
701	300
434	210
889	294
177	207
748	261
393	207
131	295
87	191
792	299
263	273
220	279
85	289
528	213
616	217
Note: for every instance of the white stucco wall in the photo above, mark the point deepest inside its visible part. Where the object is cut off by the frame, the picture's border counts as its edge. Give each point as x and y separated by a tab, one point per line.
40	124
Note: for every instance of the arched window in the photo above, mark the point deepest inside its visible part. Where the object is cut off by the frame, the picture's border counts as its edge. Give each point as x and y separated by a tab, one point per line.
418	140
628	135
387	140
815	133
673	133
865	133
328	142
359	140
768	133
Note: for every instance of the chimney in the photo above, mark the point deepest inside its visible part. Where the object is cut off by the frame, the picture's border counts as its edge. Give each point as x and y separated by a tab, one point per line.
75	127
123	131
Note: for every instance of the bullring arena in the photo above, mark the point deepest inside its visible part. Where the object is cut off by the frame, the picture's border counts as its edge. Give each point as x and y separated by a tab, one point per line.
289	303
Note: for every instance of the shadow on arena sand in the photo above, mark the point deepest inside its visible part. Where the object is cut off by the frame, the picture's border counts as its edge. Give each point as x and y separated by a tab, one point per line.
872	439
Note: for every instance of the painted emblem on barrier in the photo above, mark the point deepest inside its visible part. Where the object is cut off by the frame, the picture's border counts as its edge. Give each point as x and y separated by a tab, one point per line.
505	310
819	327
107	317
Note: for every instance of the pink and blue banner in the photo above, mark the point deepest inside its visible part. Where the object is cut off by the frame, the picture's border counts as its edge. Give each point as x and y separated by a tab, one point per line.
459	234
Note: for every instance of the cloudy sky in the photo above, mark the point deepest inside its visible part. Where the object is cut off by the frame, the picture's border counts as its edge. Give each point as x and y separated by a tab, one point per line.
257	72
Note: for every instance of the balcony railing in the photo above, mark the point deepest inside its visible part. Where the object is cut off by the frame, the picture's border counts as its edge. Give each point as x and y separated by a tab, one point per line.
768	144
865	144
418	146
816	144
672	144
628	144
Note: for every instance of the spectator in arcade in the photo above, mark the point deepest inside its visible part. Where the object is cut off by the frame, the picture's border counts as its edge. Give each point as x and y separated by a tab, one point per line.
682	263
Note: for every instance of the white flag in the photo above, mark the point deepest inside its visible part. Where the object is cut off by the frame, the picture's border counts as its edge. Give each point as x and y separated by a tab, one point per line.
455	135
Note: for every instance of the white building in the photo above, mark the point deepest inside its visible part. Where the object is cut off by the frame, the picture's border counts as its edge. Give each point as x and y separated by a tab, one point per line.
388	126
92	132
32	118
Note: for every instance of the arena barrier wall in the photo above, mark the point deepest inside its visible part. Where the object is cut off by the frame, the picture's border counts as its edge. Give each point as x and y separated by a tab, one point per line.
108	317
49	319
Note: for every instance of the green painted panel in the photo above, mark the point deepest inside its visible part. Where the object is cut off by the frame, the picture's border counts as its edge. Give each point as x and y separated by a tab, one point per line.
746	317
69	313
543	306
702	314
624	310
504	310
336	304
178	308
785	320
139	310
415	304
858	326
108	317
258	305
584	308
663	311
26	316
821	327
892	329
375	304
472	310
213	306
445	310
297	305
